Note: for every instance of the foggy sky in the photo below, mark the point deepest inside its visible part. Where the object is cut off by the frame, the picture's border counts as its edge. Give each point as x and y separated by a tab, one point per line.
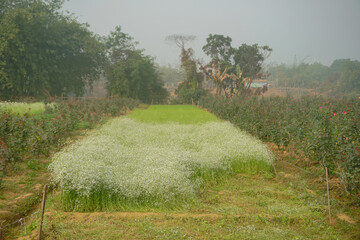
308	30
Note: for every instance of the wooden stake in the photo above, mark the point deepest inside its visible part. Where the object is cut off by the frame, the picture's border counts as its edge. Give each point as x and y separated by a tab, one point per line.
328	193
2	230
42	211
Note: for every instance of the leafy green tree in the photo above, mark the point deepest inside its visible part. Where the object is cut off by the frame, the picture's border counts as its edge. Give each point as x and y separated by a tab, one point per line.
218	47
246	59
119	45
250	58
43	52
130	73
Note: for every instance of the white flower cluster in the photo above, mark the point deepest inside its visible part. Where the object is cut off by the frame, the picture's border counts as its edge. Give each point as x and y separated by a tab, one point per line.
135	160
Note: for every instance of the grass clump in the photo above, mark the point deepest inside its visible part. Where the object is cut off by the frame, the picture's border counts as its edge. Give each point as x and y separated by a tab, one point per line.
127	163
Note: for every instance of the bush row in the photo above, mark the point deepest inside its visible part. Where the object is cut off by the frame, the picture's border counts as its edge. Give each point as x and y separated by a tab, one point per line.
22	135
326	130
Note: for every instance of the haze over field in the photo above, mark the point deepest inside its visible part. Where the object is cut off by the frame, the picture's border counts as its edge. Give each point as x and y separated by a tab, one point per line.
313	31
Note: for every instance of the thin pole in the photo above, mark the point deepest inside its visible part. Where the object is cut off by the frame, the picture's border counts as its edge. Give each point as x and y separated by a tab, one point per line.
42	211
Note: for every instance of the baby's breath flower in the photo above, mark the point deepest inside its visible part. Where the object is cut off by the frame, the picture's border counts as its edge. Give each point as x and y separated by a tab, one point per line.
134	159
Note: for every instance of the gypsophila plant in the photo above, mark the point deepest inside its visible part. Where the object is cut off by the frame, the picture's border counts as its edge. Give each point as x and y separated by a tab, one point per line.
131	163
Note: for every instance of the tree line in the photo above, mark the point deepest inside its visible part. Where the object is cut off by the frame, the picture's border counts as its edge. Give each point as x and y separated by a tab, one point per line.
342	77
45	52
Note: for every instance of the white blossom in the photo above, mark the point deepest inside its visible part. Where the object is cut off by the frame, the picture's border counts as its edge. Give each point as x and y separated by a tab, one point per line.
134	159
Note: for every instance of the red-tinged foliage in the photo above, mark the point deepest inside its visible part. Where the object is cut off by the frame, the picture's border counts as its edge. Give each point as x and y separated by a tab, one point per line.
322	129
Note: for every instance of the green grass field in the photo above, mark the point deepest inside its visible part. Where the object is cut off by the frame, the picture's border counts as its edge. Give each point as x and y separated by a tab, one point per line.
21	108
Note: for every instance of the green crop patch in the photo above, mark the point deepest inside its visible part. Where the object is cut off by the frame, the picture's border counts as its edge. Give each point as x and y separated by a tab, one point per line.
131	163
21	108
184	114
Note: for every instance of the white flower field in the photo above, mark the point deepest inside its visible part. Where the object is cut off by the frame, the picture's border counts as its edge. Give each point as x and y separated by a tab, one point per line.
130	162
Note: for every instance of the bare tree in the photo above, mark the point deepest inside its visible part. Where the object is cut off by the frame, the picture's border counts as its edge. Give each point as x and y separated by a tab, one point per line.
191	89
180	39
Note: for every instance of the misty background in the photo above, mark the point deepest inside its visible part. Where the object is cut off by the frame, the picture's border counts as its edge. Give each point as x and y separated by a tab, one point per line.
303	31
63	48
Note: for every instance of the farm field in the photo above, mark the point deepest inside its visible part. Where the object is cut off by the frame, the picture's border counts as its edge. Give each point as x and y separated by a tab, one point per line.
203	134
21	108
160	162
248	203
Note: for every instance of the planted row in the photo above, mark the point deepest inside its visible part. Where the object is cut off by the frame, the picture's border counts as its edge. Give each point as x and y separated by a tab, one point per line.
326	130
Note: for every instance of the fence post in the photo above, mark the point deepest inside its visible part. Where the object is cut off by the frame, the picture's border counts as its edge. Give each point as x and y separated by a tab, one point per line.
42	211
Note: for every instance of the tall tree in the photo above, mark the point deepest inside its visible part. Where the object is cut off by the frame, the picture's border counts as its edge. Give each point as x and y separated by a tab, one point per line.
43	52
119	45
218	47
191	89
242	64
250	58
130	73
180	40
